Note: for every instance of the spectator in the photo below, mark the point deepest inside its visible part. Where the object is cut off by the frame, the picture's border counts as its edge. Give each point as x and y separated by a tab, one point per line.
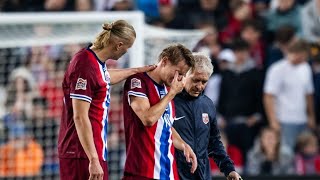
40	64
116	138
23	5
122	5
285	12
284	35
307	160
315	57
113	5
251	32
2	133
240	11
150	8
11	58
225	58
20	91
67	5
288	94
3	101
46	5
21	156
45	131
268	156
310	16
209	44
240	97
52	91
260	7
211	11
170	17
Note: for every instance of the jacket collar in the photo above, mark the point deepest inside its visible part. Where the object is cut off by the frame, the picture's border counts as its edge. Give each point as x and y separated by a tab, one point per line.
186	95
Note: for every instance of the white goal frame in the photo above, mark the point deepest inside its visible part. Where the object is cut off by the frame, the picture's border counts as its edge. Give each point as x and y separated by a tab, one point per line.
85	27
135	18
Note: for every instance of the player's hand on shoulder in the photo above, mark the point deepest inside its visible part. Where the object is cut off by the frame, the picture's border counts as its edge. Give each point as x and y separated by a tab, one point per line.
146	68
177	83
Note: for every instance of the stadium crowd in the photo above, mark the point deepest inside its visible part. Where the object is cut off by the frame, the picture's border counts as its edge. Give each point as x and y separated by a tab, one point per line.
265	85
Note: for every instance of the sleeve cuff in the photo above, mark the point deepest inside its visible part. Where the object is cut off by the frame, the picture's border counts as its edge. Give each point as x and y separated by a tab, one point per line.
138	94
81	97
228	170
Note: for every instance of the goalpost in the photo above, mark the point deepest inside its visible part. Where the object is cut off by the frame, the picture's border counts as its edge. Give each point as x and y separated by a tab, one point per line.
40	29
33	46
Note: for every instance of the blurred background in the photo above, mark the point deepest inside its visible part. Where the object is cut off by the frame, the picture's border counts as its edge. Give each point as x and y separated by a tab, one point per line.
247	40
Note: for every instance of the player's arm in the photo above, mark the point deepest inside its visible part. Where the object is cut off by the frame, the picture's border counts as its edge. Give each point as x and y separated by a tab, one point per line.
118	75
180	144
84	131
149	115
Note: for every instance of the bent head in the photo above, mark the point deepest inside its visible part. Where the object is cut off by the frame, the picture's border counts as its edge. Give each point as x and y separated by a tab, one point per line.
118	37
197	78
174	58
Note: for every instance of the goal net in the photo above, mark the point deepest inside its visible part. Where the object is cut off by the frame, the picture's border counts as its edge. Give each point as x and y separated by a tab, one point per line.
35	49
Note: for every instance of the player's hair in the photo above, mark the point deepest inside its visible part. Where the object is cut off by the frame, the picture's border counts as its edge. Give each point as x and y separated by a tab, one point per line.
202	63
177	52
111	31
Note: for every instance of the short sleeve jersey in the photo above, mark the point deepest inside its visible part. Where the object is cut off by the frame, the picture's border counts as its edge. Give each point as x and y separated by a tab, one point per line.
149	148
86	79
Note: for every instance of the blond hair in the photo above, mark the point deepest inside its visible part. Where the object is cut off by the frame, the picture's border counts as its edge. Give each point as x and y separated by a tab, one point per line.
119	29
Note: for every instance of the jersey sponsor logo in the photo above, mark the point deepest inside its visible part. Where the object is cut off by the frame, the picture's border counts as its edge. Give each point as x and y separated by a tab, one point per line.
178	118
135	83
81	84
205	118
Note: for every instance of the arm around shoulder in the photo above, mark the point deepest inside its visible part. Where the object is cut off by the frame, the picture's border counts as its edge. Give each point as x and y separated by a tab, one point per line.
118	75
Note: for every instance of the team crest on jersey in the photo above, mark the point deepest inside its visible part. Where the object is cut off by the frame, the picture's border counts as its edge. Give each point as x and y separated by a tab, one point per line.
205	118
81	84
135	83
